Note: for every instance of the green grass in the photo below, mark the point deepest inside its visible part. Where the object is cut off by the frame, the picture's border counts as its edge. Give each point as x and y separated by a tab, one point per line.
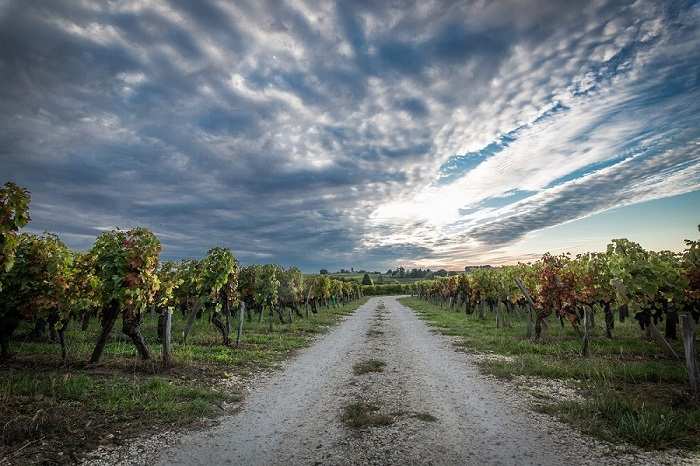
55	412
613	416
361	414
425	417
157	397
595	369
633	391
370	365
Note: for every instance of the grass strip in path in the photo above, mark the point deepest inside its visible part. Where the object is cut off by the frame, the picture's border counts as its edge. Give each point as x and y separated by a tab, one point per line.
360	414
370	365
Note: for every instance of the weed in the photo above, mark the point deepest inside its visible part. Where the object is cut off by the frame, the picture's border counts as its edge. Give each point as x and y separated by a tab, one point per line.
360	414
425	417
370	365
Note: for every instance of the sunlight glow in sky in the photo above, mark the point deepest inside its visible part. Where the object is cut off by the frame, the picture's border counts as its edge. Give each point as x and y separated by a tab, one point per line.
351	133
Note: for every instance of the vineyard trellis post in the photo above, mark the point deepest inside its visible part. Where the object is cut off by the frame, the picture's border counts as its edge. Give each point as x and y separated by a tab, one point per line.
239	333
691	362
167	331
227	312
587	324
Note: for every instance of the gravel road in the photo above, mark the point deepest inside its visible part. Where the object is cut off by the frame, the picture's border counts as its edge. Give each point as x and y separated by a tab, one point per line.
294	416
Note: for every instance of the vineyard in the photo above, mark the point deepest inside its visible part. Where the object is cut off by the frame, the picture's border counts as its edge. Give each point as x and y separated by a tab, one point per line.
191	322
47	284
620	322
624	282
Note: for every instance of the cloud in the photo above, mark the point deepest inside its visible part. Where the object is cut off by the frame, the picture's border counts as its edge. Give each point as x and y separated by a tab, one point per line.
348	133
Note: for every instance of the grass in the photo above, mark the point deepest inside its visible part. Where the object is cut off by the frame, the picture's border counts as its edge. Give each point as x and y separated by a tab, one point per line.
370	365
425	417
49	408
612	416
60	414
359	414
632	391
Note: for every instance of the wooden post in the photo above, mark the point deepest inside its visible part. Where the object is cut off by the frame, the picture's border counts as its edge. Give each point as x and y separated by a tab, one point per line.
661	340
587	324
239	333
227	310
691	362
167	330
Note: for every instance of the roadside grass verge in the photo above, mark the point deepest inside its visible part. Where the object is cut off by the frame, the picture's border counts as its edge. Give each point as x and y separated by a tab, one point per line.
49	408
370	365
613	416
631	390
56	415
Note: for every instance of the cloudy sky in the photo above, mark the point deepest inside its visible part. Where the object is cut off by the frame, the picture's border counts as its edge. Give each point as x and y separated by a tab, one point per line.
356	133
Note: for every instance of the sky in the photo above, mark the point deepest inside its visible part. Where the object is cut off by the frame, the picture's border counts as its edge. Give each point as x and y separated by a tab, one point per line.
356	133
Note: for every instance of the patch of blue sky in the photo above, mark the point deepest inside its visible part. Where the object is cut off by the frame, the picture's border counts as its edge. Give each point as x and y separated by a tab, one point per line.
458	165
587	170
507	198
496	202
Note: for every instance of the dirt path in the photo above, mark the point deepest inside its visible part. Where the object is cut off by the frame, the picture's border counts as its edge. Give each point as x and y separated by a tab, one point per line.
294	417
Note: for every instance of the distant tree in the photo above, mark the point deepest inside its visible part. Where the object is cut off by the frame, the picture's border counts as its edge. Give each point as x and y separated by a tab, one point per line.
323	272
390	272
366	280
